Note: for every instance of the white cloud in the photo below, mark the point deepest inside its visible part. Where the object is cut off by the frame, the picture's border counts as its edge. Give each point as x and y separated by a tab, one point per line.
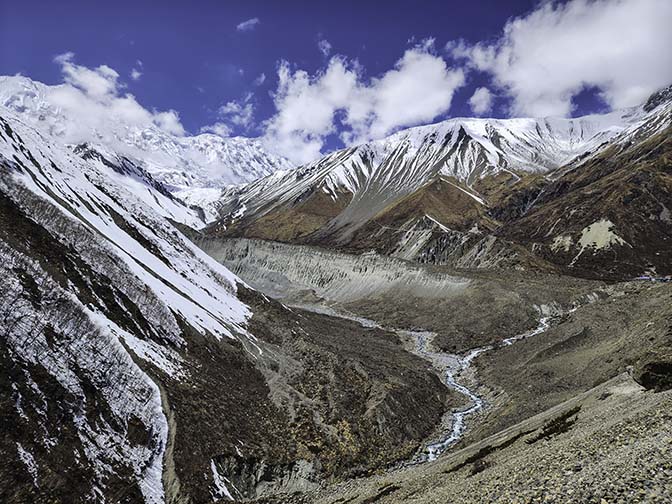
219	128
233	114
97	83
325	47
94	107
248	25
136	73
547	57
260	80
481	101
419	88
240	114
169	122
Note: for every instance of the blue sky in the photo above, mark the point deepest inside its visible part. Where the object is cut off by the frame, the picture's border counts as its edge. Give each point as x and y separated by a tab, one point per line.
193	58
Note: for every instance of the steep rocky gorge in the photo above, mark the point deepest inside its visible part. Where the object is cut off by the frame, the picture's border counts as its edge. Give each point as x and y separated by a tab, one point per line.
136	368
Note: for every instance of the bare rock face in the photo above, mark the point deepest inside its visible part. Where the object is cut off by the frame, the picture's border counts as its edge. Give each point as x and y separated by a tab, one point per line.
655	371
658	98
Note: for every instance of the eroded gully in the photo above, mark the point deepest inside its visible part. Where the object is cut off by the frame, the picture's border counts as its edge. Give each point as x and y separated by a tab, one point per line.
451	369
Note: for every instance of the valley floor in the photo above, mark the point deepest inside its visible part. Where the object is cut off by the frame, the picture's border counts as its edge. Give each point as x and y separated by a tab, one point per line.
564	417
610	444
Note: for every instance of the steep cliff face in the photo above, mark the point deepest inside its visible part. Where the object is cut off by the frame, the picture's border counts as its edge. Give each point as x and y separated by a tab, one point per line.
284	270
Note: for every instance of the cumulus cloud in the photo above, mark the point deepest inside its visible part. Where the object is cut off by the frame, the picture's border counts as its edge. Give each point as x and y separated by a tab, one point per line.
240	114
325	47
340	100
92	96
235	113
98	83
544	59
219	128
169	122
248	25
481	101
94	106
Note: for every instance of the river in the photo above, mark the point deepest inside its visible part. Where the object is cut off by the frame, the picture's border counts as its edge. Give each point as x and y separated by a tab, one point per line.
448	366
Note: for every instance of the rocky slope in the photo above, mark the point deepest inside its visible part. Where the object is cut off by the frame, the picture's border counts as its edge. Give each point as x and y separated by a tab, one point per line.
538	392
610	444
570	413
135	368
466	309
609	217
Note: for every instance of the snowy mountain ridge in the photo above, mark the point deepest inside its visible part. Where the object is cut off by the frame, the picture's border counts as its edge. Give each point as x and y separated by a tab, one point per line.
101	200
374	174
181	163
89	260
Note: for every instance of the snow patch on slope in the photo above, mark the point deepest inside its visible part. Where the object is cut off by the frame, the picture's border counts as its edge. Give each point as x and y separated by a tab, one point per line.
221	490
563	242
86	350
600	235
29	461
477	198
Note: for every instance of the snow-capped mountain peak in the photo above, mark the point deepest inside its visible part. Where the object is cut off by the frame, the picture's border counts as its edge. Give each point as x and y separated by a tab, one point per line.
369	177
183	163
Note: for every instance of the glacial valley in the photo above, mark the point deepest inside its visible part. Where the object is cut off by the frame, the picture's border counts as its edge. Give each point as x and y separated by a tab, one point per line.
478	310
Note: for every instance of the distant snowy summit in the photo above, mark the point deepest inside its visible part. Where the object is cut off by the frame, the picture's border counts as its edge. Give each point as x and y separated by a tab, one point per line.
189	166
